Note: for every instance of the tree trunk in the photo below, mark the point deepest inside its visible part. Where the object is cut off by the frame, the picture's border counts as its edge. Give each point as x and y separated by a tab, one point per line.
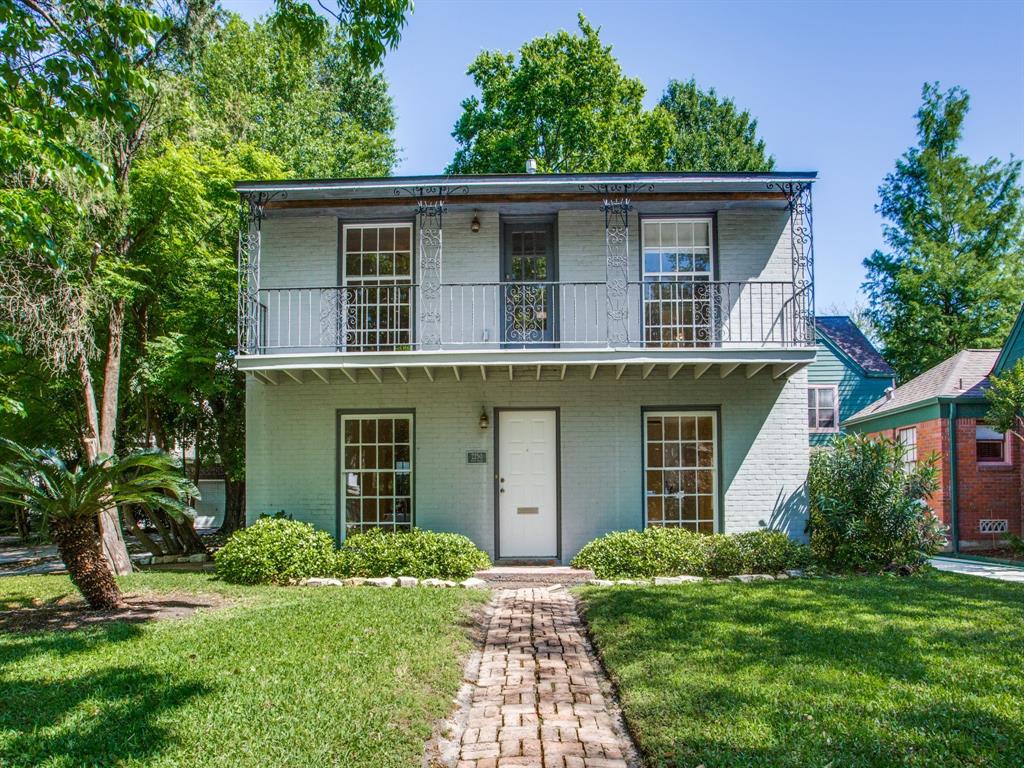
79	546
133	525
114	548
234	506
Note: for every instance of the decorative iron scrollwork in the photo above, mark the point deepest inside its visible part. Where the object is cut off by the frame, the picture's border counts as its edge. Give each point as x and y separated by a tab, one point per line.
801	231
616	238
526	313
431	216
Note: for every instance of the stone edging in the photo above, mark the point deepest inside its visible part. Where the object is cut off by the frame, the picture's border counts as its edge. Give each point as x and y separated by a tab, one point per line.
393	581
662	581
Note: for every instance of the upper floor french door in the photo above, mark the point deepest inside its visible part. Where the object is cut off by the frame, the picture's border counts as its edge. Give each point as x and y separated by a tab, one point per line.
528	283
678	293
374	307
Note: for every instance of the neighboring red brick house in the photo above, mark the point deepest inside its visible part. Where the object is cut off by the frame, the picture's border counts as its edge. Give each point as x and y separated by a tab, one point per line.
942	411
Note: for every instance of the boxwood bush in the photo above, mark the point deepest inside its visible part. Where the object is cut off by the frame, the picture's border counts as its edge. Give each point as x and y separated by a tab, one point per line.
423	554
677	552
867	509
276	551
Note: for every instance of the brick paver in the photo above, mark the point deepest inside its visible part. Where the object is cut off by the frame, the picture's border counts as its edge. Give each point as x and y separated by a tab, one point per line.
538	700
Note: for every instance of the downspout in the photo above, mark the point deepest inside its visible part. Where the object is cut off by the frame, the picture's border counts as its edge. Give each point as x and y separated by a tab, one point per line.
954	517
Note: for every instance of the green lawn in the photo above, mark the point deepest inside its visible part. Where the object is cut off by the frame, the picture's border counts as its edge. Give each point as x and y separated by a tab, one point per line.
282	677
923	671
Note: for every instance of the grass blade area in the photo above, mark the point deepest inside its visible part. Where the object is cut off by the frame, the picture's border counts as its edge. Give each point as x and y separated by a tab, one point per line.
873	671
281	677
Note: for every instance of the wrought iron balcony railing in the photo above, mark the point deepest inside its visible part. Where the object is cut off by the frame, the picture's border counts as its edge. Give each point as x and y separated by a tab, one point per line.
383	317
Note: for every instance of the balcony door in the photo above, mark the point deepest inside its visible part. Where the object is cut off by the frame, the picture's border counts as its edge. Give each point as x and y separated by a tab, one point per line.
528	285
372	310
679	296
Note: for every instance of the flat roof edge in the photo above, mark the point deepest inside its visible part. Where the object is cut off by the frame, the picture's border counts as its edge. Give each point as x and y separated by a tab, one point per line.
540	179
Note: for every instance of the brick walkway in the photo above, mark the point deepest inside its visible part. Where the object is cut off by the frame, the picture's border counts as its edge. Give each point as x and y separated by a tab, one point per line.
538	701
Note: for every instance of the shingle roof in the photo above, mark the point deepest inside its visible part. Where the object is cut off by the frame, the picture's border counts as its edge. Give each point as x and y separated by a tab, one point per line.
965	374
845	334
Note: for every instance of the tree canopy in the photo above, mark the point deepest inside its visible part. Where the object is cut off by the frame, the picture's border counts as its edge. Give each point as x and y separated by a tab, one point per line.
711	134
564	102
952	276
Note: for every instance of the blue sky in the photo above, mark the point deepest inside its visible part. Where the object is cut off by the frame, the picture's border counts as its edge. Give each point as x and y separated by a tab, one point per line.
834	86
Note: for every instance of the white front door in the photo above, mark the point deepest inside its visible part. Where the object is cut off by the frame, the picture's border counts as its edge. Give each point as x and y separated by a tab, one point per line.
527	484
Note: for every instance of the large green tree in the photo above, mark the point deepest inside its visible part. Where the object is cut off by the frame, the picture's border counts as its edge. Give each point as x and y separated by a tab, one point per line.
952	276
312	104
115	223
562	101
711	133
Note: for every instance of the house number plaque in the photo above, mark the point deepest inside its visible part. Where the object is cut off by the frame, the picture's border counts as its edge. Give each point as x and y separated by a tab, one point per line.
476	457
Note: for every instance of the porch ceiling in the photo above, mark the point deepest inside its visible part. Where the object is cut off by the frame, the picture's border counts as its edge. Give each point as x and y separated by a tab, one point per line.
527	365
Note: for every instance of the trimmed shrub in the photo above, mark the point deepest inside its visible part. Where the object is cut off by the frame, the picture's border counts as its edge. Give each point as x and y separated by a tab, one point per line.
676	552
868	511
276	551
771	552
423	554
722	556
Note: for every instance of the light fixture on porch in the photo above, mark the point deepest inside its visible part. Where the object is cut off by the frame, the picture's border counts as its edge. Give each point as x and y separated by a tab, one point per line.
474	227
484	421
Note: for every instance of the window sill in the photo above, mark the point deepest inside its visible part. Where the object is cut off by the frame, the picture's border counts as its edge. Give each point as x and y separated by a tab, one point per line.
987	465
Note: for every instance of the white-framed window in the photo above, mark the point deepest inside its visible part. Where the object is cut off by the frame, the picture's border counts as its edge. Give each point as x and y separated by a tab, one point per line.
681	470
678	267
376	300
907	437
377	468
990	445
823	408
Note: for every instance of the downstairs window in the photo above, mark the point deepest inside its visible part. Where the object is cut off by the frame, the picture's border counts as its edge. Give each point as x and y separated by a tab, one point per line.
681	470
377	455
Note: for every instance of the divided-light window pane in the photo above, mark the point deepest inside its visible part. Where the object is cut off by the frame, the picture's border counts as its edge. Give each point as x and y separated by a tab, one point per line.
377	456
680	470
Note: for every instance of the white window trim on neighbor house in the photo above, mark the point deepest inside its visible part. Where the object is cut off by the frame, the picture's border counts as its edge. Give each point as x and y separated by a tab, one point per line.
349	476
698	469
907	437
983	433
814	410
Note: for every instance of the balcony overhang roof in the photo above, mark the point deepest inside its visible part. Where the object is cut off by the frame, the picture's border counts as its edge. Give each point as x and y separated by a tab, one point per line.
536	187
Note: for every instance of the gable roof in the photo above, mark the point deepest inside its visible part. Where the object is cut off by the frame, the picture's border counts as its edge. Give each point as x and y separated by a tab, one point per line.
1013	349
851	341
962	376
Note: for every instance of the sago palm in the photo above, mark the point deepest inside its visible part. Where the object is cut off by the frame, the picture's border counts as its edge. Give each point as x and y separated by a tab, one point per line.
69	502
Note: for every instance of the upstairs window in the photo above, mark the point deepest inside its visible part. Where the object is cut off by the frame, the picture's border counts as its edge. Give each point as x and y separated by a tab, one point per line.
990	445
822	409
907	437
678	268
375	307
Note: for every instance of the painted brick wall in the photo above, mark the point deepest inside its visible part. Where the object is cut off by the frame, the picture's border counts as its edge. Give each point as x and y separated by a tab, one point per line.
302	251
291	446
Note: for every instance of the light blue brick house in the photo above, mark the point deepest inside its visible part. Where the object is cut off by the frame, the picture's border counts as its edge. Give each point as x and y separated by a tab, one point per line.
848	375
530	360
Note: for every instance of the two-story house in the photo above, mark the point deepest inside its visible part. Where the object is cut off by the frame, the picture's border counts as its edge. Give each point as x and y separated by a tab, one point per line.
530	360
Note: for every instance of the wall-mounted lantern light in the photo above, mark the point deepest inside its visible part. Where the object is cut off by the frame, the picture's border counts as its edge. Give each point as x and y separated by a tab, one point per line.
484	421
475	226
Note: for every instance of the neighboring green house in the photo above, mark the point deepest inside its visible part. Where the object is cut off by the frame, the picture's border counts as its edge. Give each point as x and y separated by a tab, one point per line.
847	375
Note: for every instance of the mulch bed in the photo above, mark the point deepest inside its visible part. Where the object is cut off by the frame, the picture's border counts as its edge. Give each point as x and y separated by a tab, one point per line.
71	613
1003	553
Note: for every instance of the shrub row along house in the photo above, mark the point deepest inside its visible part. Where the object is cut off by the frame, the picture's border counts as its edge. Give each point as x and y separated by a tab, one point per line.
529	360
942	411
